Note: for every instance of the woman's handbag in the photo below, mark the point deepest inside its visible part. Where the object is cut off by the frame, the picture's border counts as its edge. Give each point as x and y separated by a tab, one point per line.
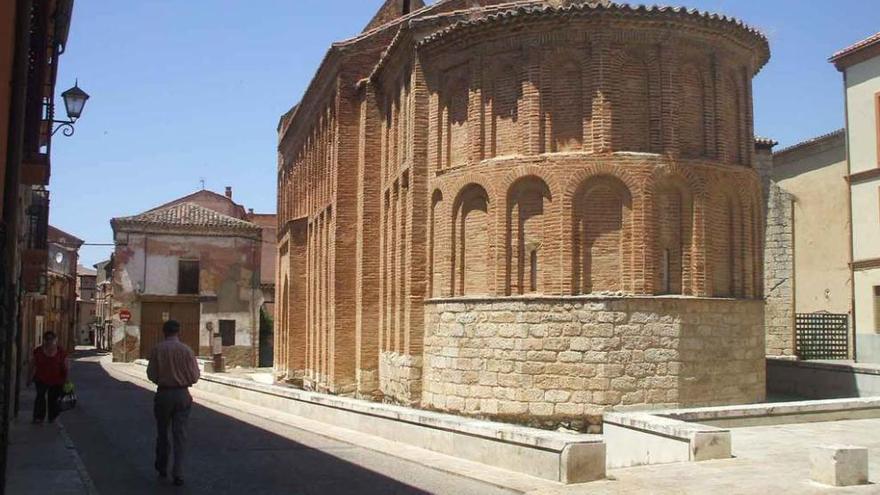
67	401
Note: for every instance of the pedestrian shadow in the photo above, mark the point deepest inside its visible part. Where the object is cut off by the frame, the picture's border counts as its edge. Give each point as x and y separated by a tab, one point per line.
113	430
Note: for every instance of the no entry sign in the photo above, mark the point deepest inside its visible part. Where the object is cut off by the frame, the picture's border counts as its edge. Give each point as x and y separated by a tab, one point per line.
125	315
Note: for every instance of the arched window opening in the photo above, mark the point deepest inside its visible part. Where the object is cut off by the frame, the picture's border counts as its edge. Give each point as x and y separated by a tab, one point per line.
533	270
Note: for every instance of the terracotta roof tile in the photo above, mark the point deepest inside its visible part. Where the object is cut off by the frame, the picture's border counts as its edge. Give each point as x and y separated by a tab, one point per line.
855	47
589	8
813	140
188	215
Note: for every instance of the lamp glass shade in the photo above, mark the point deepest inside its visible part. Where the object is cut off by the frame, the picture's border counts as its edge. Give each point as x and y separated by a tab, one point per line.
74	101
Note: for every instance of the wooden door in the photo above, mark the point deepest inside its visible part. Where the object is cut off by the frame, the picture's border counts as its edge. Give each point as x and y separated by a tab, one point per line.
154	315
187	314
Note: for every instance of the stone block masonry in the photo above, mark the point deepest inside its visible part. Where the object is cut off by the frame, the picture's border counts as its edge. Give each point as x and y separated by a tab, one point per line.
550	361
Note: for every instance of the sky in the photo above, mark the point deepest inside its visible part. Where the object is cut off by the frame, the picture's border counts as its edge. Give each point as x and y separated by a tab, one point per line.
185	91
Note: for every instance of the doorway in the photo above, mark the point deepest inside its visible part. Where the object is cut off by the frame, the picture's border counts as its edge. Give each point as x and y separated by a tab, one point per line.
154	316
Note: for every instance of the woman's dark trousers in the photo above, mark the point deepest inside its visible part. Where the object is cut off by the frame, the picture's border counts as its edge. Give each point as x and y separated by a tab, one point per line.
53	392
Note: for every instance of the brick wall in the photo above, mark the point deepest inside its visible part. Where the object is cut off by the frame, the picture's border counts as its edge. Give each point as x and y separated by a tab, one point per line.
568	156
551	362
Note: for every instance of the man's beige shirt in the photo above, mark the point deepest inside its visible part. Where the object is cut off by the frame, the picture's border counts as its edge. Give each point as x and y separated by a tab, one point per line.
173	364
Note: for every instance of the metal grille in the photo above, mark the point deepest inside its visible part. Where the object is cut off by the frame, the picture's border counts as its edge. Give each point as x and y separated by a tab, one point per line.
822	336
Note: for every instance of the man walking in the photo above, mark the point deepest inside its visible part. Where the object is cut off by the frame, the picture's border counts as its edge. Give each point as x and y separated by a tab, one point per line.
174	369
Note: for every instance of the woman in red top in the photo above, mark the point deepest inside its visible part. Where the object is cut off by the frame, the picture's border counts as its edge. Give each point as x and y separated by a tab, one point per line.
48	372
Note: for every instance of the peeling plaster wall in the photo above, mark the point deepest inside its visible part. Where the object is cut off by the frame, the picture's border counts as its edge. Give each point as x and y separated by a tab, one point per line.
229	285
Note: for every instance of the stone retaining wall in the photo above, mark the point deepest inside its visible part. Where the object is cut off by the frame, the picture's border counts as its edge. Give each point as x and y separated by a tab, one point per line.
400	378
563	361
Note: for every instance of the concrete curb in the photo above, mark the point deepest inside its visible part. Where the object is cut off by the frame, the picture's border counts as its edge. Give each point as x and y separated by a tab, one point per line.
504	479
559	457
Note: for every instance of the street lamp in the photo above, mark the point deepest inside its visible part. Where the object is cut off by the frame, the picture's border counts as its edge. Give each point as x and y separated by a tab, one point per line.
74	101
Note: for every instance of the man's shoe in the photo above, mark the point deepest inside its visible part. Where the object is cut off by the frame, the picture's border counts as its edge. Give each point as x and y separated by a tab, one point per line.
178	481
163	473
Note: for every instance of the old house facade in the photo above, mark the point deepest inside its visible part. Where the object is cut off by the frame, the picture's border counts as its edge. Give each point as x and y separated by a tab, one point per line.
860	65
196	260
86	287
554	211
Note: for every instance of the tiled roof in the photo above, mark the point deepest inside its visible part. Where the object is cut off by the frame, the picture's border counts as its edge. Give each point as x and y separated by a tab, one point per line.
814	140
591	8
855	47
186	215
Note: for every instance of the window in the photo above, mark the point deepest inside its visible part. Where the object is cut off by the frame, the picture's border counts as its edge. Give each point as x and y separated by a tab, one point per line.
877	308
188	277
227	332
877	124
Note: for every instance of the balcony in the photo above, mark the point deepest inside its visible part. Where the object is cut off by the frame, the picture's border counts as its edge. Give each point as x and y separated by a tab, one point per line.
35	252
35	169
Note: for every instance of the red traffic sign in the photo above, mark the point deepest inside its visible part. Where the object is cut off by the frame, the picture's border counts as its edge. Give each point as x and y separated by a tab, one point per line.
125	315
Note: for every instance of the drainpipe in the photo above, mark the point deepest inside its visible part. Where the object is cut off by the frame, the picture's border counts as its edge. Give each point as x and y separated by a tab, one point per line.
852	276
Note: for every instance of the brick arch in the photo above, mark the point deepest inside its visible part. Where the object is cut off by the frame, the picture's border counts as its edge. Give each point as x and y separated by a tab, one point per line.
687	175
566	108
602	236
503	98
724	239
473	261
520	172
671	237
635	110
732	117
577	179
527	235
694	99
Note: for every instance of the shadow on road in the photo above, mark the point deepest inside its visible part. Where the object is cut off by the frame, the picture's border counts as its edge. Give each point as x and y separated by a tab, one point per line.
113	429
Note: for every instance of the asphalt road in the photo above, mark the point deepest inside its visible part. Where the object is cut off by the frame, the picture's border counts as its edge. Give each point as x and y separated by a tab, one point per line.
114	432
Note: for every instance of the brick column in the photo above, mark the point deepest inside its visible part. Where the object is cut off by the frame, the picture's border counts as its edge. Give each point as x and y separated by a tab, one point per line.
602	84
531	116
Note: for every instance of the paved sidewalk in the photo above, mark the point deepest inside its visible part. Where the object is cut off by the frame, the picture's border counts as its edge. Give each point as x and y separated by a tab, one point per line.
42	459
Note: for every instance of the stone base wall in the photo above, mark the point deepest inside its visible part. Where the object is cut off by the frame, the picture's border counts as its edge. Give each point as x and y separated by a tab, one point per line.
400	378
779	274
563	361
126	346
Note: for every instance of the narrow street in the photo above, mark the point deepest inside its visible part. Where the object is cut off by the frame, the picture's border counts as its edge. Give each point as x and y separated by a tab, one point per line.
113	430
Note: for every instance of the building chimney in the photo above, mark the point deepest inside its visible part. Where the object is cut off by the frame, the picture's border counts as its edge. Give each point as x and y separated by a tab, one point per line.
407	7
229	192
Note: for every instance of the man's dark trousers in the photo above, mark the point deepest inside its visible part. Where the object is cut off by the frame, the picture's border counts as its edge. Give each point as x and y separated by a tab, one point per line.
171	407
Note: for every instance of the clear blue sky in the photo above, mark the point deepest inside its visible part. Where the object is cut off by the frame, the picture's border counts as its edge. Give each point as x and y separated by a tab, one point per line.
183	90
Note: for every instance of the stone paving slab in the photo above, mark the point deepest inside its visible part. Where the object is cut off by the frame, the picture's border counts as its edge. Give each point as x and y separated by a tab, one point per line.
42	459
768	459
